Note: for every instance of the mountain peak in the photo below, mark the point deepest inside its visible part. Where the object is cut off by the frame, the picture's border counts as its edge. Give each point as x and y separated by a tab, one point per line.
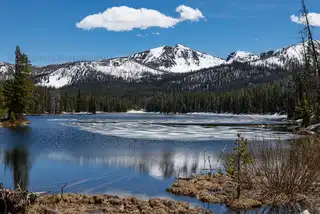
241	56
181	46
177	59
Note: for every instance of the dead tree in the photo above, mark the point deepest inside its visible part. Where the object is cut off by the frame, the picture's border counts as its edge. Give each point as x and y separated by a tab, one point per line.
308	32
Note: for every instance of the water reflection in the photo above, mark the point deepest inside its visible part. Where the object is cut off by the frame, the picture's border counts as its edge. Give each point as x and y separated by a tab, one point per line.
17	158
160	164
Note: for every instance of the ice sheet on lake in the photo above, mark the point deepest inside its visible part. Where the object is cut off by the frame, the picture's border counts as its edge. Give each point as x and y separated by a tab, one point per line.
157	131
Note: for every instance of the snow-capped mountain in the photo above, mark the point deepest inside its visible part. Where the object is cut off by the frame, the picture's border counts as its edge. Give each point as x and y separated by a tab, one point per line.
242	56
6	70
177	59
280	57
154	62
283	56
151	65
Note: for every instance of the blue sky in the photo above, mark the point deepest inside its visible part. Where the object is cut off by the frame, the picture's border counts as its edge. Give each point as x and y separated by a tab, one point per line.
47	31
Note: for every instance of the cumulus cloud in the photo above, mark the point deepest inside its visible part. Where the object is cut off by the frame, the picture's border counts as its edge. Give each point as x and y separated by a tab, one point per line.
188	13
126	19
314	19
156	33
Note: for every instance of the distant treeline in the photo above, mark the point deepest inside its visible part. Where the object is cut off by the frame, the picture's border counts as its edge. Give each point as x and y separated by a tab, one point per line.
268	98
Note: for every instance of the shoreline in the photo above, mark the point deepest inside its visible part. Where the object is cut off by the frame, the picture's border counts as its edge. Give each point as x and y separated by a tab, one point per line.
42	203
275	115
13	123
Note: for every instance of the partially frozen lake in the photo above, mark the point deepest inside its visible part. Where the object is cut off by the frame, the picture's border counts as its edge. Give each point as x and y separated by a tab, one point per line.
129	154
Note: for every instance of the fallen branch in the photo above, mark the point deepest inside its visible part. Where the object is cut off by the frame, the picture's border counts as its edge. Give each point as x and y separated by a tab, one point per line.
62	190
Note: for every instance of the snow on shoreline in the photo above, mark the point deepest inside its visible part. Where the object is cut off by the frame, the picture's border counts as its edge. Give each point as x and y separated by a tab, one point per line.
136	111
258	116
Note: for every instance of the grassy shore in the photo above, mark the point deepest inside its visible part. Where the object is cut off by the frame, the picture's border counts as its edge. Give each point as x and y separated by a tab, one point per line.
13	123
83	204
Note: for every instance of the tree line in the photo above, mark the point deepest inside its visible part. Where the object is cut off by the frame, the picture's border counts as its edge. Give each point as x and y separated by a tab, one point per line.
267	98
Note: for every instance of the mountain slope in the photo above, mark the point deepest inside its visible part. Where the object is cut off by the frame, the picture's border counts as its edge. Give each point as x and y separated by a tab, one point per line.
283	56
71	73
177	59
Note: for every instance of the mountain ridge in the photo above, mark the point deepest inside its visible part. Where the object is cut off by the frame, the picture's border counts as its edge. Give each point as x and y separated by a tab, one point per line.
154	63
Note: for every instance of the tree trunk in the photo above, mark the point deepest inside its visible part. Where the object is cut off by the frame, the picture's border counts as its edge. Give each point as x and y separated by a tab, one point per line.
9	114
238	171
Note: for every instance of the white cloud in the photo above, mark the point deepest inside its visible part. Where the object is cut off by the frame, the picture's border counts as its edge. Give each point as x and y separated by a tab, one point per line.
314	19
156	33
126	19
188	13
139	35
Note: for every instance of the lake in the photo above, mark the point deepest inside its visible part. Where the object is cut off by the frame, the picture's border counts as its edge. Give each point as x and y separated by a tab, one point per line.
122	154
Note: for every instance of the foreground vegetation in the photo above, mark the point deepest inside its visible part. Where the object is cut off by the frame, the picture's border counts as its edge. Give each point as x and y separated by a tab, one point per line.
271	175
29	203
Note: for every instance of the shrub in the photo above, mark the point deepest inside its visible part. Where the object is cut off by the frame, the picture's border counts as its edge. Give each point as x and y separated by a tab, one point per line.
286	171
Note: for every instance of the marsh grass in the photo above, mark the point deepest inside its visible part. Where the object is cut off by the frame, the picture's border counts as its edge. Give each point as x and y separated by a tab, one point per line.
287	173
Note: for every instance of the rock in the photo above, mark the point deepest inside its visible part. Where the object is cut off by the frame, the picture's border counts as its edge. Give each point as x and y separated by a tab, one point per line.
305	132
244	204
314	128
47	210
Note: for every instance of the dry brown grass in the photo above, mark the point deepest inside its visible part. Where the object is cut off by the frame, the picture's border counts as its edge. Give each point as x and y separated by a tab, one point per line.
13	123
286	172
215	189
79	204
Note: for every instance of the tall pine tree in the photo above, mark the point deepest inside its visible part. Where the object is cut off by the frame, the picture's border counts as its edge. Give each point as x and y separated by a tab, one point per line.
17	90
92	105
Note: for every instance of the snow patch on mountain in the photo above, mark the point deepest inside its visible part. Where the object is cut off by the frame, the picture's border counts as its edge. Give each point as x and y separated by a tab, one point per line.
155	53
4	67
6	70
242	56
123	68
57	79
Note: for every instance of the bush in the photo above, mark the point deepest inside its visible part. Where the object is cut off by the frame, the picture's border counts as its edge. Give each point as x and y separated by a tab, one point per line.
286	171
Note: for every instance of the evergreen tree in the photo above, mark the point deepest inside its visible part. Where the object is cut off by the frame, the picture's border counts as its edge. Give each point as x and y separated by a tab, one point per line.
17	90
78	100
92	105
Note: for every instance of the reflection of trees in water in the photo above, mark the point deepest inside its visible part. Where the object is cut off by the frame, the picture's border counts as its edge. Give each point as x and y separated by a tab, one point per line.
143	167
17	160
167	164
